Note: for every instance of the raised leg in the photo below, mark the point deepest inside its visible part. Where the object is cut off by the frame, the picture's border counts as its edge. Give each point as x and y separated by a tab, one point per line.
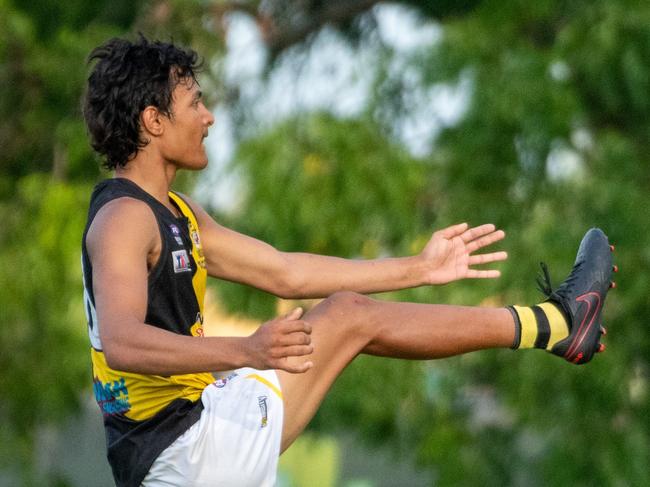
347	324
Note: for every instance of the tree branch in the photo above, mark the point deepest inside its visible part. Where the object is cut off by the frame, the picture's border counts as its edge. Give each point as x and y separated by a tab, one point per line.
281	31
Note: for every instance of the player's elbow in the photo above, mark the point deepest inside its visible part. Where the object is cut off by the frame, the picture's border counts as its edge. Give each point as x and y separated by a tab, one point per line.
114	358
118	357
289	284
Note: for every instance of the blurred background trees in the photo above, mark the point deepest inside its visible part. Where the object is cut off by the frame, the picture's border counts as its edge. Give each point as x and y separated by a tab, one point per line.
529	115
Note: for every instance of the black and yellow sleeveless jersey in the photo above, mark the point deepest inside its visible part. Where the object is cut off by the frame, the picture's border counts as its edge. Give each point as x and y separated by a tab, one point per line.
144	414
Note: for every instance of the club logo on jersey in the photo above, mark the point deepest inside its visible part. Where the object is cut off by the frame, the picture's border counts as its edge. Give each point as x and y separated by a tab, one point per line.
261	400
175	230
195	238
197	327
181	261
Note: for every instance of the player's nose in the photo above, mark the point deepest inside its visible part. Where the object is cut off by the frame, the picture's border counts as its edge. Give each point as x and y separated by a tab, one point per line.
209	118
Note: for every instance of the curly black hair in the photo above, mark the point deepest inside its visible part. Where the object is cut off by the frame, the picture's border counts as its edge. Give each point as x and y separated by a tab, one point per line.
127	78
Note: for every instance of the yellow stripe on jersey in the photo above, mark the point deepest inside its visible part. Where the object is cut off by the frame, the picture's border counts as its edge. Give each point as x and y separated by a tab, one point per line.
200	278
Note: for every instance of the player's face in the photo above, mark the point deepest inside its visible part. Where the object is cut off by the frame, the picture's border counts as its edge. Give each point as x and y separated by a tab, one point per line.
187	127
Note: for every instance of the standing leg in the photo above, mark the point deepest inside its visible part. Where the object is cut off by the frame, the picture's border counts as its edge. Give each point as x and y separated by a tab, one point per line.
347	324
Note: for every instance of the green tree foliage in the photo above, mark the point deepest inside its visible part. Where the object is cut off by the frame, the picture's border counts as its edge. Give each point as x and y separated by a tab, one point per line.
43	50
42	339
345	190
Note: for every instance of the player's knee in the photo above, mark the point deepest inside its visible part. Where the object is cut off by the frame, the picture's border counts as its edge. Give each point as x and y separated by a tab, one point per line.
345	315
348	300
348	311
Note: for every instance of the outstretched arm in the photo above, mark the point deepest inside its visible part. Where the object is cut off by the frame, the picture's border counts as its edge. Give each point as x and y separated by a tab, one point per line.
448	256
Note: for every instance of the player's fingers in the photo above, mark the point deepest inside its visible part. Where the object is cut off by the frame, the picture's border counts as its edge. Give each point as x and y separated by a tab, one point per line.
294	367
295	326
295	338
485	240
453	231
483	274
476	232
297	350
294	314
294	349
487	258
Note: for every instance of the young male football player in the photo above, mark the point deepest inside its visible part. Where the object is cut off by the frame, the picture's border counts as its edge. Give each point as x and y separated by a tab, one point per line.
147	252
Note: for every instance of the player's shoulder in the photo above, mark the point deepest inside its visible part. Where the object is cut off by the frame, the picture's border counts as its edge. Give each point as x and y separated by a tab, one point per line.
125	210
123	218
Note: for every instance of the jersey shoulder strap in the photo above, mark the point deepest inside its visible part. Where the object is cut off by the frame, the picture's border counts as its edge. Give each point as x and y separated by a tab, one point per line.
184	208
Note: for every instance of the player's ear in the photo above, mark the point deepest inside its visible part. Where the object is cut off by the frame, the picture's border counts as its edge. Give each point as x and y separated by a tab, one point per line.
151	121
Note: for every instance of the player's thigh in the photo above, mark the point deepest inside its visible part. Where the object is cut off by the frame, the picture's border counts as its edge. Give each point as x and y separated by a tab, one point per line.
341	328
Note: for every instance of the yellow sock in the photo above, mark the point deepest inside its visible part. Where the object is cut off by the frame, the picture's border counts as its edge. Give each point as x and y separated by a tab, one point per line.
540	326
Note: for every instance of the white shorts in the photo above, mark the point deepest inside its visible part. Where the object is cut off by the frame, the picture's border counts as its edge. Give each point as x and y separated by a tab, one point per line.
236	442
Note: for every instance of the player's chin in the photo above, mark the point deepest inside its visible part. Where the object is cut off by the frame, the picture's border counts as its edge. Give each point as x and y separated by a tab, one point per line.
196	164
202	158
202	164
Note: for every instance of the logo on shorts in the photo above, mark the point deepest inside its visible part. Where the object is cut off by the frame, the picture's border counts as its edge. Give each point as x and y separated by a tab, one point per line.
261	400
220	383
181	261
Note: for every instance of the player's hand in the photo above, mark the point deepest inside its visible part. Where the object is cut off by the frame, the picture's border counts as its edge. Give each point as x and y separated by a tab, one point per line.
273	344
450	254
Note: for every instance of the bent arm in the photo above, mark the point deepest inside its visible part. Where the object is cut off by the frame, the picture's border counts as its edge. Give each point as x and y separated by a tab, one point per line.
120	240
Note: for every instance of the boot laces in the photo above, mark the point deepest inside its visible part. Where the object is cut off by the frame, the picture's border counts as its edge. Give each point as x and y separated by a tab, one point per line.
545	285
544	281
